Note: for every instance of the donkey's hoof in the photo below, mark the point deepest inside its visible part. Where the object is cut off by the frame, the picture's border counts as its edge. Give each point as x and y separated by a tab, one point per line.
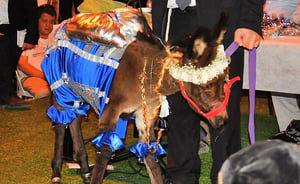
86	178
55	180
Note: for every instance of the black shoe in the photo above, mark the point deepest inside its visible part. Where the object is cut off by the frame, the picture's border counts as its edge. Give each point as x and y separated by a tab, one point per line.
14	103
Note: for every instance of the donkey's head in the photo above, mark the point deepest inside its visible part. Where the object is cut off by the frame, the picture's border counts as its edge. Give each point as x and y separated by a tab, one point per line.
203	72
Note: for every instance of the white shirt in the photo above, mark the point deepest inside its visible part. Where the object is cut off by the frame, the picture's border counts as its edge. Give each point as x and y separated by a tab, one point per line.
172	3
37	54
4	12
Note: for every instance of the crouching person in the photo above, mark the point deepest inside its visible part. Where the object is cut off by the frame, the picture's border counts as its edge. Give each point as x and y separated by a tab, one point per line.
32	82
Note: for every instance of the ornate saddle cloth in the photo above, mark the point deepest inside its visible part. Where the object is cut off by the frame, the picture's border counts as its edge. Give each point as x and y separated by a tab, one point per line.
83	56
80	65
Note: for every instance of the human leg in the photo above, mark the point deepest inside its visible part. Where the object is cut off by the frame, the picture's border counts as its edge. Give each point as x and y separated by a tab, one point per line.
183	162
9	58
38	87
5	75
226	140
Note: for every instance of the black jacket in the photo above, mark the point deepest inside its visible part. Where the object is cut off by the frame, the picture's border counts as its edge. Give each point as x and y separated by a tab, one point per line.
22	14
243	14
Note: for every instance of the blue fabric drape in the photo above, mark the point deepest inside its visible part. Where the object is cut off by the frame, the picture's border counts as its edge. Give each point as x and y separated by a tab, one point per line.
108	138
67	64
141	149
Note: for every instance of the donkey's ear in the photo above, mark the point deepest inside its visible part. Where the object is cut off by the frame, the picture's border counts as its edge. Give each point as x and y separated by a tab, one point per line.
219	29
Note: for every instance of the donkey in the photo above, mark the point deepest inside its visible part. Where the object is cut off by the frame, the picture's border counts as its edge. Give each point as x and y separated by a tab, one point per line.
146	71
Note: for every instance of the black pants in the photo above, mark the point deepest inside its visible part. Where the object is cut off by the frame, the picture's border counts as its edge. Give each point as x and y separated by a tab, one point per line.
226	140
9	54
66	8
183	163
184	134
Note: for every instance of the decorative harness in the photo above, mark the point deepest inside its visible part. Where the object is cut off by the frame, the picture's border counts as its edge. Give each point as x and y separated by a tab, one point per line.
216	110
218	71
252	78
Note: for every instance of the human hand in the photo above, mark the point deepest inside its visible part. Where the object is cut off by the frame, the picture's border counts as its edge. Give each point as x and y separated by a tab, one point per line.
27	46
247	38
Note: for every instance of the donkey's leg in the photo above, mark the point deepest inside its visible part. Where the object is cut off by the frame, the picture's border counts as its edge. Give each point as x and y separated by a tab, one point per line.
153	168
152	165
81	155
58	153
102	158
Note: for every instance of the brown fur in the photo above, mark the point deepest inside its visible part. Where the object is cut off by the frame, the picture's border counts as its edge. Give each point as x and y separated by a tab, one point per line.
140	81
126	91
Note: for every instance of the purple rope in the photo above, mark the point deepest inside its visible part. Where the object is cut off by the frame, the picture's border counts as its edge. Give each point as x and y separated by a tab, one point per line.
231	49
252	82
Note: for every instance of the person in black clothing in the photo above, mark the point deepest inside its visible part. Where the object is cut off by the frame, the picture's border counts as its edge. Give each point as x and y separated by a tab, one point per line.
66	8
15	15
171	22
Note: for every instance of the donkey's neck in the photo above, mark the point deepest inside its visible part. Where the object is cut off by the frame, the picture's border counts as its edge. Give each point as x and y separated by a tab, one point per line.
169	85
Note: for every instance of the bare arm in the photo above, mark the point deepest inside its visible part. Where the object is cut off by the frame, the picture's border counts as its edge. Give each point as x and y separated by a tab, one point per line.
28	69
